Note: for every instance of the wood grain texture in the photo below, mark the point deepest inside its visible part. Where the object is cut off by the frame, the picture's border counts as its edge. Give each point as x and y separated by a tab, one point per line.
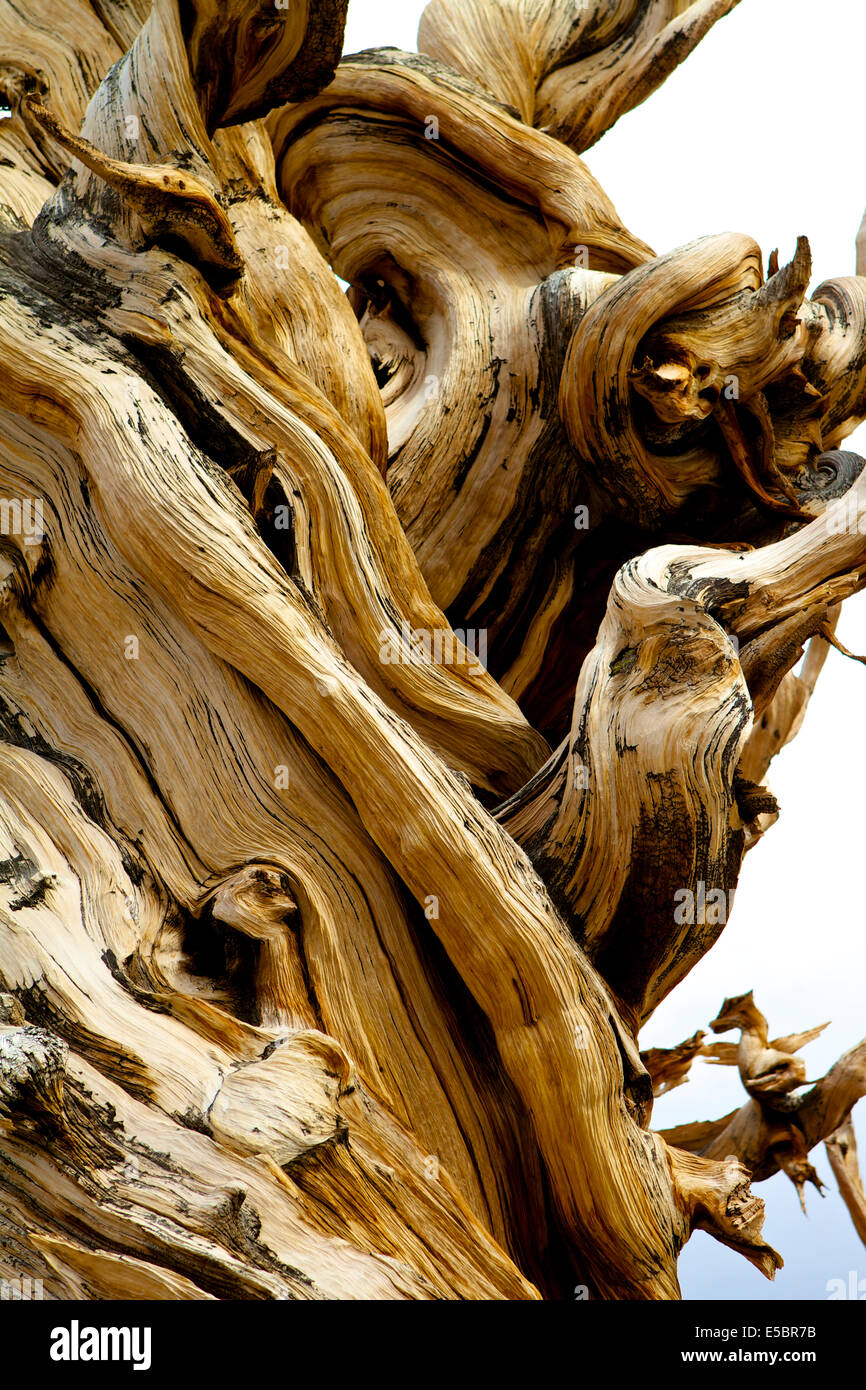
383	672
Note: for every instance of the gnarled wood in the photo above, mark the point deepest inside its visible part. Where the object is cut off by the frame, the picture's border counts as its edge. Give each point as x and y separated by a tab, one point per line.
322	975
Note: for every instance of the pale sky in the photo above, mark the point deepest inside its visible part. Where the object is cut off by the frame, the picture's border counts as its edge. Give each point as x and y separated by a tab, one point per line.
761	132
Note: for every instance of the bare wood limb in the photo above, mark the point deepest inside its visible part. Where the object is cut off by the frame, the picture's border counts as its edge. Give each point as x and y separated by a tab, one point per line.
841	1147
572	69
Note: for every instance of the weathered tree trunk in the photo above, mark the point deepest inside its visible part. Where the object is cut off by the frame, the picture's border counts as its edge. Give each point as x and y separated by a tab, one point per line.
361	792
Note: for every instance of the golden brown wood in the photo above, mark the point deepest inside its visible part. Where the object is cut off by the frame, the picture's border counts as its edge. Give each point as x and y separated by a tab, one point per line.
842	1153
388	680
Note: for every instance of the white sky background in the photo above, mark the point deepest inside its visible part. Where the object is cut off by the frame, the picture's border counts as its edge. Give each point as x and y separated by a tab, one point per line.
761	131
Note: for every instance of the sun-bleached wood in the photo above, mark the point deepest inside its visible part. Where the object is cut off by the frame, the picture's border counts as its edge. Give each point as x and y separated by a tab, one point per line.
842	1155
387	667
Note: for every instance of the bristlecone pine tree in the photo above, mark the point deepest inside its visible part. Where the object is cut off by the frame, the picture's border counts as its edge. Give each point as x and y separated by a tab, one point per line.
389	676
